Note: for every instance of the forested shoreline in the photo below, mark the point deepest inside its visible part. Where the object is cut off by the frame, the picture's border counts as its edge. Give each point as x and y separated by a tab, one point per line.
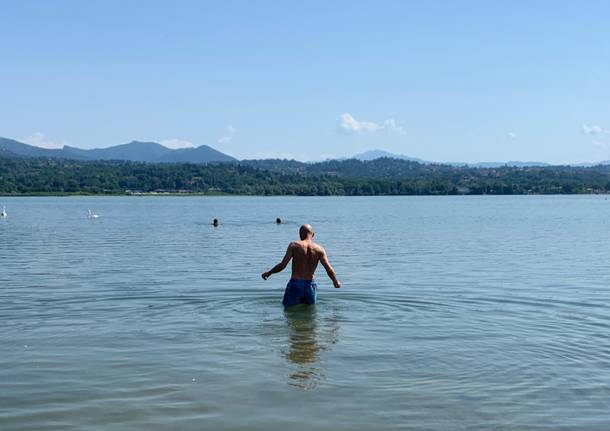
27	176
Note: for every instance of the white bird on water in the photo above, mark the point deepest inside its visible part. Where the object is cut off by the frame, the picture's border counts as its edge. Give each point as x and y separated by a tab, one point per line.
91	214
3	213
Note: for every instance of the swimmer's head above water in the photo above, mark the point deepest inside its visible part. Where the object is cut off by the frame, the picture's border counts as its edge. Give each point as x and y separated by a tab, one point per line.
215	222
278	220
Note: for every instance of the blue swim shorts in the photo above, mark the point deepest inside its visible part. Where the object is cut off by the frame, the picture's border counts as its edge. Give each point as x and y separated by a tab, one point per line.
300	292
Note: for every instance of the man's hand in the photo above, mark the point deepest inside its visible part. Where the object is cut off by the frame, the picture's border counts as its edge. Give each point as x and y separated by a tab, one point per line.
337	284
280	266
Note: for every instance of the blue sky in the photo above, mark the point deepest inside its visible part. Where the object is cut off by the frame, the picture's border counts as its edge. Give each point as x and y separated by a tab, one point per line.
443	81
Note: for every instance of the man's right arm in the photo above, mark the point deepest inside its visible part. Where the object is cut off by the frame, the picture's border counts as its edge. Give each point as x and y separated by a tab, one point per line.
329	269
280	266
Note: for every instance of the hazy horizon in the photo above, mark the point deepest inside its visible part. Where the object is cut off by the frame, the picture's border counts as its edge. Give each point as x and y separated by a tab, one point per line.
469	82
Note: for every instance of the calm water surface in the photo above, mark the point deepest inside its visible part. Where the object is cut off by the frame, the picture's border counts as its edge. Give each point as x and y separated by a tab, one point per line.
456	313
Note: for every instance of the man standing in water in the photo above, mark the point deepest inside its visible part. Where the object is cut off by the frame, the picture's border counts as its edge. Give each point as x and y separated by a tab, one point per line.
305	255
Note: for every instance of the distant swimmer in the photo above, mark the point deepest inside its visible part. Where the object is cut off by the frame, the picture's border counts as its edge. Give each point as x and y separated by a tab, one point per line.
305	255
215	222
278	220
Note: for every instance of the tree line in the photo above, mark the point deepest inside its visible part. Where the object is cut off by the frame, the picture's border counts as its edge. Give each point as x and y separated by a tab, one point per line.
23	176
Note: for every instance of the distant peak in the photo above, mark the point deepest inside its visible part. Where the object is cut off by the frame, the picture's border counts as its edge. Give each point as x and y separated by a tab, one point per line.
378	154
142	143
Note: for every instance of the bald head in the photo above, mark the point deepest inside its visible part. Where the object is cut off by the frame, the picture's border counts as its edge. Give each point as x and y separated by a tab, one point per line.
306	231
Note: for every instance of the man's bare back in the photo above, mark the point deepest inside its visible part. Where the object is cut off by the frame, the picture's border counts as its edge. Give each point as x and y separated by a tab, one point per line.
305	255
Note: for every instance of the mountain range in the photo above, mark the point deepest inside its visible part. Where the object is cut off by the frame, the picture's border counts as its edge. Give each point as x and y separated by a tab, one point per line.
376	154
135	151
153	152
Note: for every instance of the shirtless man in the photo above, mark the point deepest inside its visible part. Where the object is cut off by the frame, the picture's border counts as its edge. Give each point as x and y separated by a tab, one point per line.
305	255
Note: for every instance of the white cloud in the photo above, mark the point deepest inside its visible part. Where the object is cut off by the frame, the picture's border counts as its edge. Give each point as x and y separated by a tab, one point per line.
593	130
38	139
511	135
598	141
390	124
348	124
228	137
177	143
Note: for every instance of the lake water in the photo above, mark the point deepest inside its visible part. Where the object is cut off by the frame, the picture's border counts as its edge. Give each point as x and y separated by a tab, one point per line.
455	313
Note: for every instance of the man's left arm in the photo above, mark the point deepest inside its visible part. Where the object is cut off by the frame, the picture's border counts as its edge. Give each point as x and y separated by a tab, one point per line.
280	266
329	268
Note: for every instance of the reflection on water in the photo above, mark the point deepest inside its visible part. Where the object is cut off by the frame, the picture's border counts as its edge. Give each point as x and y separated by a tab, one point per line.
306	342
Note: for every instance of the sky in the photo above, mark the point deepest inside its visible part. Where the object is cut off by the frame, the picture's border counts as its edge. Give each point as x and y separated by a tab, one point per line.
460	81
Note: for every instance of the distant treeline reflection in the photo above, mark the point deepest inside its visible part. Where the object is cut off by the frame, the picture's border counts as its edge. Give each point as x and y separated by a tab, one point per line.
20	176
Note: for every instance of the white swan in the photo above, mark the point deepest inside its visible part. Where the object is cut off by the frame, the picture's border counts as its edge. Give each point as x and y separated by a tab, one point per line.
3	213
91	214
